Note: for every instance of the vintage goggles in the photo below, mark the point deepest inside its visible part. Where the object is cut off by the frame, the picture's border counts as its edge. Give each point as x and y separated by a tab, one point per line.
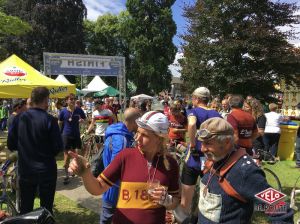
205	134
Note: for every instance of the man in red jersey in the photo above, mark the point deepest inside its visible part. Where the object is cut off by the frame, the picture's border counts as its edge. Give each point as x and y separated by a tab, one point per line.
137	169
244	125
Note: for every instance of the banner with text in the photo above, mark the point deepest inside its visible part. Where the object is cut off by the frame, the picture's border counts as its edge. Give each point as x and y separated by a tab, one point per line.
89	65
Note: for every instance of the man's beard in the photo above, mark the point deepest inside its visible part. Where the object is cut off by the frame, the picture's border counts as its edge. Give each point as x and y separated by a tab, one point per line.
213	157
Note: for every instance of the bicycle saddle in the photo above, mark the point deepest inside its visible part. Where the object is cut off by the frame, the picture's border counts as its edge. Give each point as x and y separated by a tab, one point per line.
37	216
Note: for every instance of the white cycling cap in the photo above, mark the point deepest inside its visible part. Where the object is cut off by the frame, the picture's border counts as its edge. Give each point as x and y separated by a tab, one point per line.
154	121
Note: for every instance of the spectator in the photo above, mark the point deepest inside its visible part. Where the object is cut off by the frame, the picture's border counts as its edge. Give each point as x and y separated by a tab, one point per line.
225	108
272	130
244	125
134	168
215	105
4	112
226	164
117	137
69	119
19	106
35	135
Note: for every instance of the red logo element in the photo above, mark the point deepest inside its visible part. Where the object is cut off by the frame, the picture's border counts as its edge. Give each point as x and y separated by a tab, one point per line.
270	196
15	71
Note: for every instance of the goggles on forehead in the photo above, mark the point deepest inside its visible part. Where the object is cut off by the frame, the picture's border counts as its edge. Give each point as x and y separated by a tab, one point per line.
205	134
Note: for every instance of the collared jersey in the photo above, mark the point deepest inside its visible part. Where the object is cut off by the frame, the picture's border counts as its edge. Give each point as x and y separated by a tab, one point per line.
134	206
102	118
244	124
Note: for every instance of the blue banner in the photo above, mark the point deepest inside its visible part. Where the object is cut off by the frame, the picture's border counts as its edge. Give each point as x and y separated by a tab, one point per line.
90	65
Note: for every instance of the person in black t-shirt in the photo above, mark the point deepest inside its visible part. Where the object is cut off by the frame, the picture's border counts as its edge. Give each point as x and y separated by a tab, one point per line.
254	107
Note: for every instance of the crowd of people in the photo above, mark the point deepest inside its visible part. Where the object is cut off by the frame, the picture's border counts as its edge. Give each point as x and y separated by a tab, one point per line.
141	180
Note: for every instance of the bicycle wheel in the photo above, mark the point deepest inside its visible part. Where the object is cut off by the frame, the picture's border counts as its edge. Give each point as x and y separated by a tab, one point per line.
272	179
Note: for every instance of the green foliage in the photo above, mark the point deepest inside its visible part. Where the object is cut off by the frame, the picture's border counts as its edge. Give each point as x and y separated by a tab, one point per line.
10	25
143	35
149	32
234	46
57	26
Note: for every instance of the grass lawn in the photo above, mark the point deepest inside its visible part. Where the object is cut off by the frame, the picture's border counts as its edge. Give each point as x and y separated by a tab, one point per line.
288	175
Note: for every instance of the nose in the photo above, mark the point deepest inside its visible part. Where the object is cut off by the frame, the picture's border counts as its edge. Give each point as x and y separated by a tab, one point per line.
203	148
137	136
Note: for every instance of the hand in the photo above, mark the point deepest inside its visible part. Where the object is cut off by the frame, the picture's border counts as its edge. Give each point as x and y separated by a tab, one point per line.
79	165
158	195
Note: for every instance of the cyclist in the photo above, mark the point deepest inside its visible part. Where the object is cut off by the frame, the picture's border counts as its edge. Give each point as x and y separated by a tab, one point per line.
68	120
192	167
118	137
217	203
134	168
101	118
245	130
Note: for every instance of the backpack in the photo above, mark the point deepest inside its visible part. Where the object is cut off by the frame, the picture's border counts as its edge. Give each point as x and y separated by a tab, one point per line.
97	164
224	184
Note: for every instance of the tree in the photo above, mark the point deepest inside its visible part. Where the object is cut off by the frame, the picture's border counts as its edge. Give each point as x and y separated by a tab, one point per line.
57	26
10	25
234	46
148	33
103	37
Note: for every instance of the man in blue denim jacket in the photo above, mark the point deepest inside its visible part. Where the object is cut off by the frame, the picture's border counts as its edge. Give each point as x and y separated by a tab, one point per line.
246	178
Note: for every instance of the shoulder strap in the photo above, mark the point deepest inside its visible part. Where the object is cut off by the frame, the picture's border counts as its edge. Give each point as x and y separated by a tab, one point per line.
226	186
232	160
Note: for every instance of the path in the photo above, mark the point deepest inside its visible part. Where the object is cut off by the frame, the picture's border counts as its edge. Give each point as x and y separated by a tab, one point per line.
76	192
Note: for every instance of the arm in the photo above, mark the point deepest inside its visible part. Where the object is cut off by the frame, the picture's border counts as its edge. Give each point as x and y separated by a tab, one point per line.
90	128
80	166
192	129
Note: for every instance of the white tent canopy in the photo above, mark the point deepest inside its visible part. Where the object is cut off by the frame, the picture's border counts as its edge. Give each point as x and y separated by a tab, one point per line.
96	85
62	78
141	97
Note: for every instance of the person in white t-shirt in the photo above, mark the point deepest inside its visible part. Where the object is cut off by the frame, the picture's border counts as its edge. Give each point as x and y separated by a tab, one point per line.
101	118
272	129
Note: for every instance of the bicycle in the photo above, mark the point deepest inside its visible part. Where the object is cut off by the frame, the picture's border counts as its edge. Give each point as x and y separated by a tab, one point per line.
262	157
7	205
89	146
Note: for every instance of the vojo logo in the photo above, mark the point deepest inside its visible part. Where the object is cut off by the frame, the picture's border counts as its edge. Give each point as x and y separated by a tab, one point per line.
15	72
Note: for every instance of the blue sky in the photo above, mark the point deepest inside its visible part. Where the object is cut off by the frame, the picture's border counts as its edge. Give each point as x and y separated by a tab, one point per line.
99	7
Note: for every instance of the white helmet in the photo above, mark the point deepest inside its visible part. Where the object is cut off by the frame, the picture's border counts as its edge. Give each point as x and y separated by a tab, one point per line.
154	121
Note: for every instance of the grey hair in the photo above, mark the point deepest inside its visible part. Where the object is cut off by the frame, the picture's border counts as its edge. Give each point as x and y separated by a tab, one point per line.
221	138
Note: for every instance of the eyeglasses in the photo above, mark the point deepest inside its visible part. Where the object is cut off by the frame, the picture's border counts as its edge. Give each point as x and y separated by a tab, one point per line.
205	134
